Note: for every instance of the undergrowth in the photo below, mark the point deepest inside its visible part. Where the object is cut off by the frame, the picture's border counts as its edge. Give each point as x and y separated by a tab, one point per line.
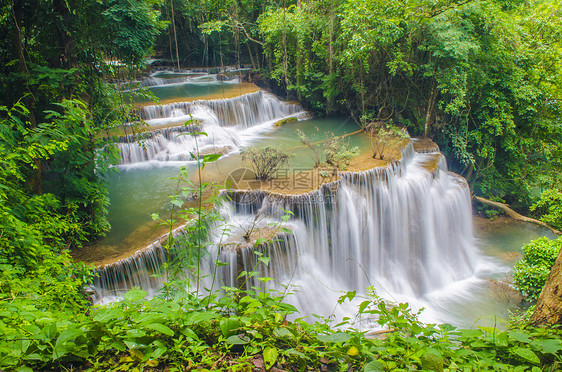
245	330
242	328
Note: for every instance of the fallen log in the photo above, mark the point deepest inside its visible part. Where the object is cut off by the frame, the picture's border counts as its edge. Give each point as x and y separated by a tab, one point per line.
511	213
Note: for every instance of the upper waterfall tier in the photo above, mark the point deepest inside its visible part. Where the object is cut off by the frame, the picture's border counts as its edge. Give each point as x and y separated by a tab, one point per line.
217	118
244	111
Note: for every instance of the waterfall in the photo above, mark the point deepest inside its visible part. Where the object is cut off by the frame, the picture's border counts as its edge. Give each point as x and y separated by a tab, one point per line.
404	229
139	270
142	269
168	133
221	119
245	111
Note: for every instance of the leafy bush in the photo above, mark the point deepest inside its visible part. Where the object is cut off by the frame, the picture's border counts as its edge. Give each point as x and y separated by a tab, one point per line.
265	161
531	272
549	206
338	152
245	329
306	141
382	135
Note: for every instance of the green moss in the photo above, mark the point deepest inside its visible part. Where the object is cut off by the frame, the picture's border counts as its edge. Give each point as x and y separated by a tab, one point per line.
282	122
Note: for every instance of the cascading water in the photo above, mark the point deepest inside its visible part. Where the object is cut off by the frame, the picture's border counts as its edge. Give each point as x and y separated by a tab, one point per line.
220	119
404	229
245	111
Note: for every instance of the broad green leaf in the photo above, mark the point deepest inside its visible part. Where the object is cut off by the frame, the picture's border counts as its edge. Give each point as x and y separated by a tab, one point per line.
69	334
373	366
229	326
23	369
521	337
200	317
363	306
135	295
527	354
177	202
237	340
189	334
551	346
132	345
270	356
158	352
211	158
160	328
432	362
103	315
136	333
282	332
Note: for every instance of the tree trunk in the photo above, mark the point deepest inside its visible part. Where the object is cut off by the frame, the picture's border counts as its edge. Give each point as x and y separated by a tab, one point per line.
549	305
429	111
330	102
285	54
175	35
511	213
28	99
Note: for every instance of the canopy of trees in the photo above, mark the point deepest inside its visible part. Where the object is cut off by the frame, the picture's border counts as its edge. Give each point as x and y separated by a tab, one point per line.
483	78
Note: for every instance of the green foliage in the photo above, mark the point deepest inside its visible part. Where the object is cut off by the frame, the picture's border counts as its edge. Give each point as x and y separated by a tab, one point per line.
338	152
246	328
265	161
381	137
313	147
531	272
471	75
549	206
134	25
76	174
36	271
29	222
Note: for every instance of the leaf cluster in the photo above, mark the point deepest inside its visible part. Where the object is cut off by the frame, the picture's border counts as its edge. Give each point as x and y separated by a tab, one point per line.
265	161
531	272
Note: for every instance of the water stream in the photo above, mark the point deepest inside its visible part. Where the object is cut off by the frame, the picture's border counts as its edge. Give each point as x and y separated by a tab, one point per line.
405	229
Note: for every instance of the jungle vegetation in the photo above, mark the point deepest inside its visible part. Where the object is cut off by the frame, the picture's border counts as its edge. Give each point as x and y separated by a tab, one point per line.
482	78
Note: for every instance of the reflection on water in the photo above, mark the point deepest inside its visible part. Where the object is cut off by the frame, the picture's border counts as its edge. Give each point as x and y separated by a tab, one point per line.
503	237
138	191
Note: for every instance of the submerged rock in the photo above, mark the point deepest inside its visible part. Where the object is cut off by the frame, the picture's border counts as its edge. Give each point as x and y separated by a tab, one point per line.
282	122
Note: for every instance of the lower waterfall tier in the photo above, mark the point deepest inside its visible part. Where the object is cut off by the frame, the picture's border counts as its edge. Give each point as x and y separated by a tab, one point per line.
404	230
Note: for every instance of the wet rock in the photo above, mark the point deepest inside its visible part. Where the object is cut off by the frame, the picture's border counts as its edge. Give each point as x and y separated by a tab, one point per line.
282	122
511	256
503	288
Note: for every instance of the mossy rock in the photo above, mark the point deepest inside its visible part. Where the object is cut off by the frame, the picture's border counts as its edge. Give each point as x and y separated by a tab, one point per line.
282	122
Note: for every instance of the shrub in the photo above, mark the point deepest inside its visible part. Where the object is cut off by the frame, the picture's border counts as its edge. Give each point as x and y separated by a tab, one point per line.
549	206
306	141
265	161
532	270
338	152
381	136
